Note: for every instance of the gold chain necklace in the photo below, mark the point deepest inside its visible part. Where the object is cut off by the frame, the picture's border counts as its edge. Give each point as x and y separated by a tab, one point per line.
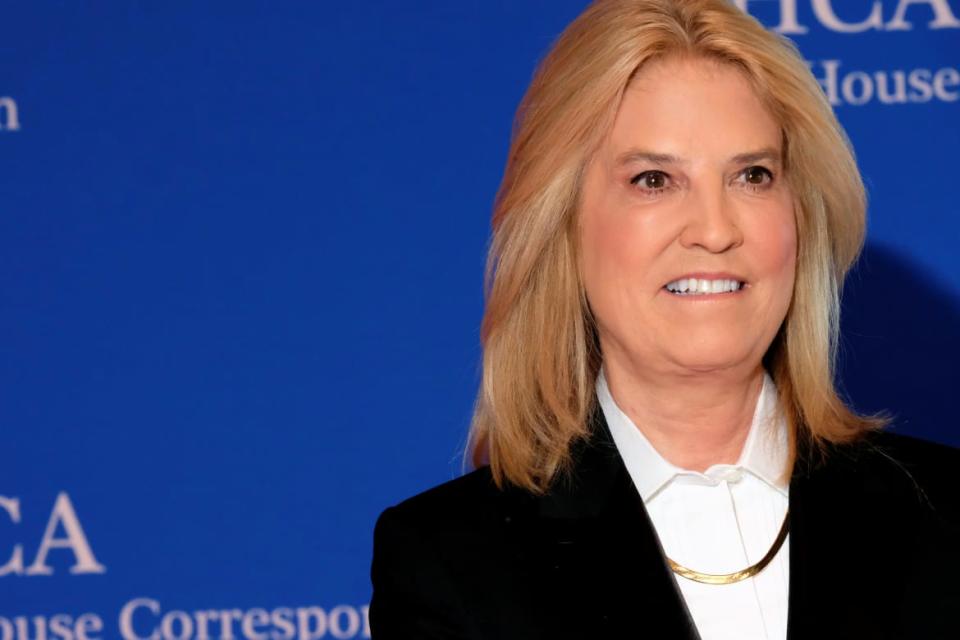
736	576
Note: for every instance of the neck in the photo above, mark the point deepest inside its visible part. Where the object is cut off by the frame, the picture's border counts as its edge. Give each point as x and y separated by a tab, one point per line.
694	420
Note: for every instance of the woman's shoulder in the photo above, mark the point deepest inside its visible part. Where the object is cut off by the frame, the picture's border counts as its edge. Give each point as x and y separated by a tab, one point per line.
933	461
919	472
436	559
911	448
466	503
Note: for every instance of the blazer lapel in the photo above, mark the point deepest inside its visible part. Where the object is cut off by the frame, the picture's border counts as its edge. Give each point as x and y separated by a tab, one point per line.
597	550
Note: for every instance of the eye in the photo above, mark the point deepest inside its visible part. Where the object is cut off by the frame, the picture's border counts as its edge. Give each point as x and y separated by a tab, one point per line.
754	177
651	182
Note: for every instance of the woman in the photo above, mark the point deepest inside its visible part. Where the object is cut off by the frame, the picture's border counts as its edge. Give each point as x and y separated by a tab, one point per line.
660	448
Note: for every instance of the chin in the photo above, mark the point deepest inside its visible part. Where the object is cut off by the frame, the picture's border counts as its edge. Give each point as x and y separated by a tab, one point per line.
706	358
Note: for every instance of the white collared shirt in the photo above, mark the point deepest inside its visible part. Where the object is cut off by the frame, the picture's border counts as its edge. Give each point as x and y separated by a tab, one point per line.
719	521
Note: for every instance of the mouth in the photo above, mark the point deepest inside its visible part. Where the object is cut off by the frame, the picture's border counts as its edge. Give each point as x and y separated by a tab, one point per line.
703	287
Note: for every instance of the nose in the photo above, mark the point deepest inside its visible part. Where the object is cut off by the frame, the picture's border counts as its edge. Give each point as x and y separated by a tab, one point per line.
712	222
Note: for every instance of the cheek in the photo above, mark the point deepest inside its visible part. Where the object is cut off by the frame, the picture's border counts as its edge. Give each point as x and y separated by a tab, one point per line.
617	251
788	244
606	248
607	258
776	249
622	240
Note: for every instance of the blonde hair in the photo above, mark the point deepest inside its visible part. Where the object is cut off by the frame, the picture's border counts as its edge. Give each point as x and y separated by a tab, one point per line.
541	354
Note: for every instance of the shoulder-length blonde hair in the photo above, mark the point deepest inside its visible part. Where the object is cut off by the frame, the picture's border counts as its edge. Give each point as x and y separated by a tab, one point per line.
541	355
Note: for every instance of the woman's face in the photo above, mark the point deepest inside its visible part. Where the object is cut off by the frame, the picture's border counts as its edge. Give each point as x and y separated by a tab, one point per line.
688	188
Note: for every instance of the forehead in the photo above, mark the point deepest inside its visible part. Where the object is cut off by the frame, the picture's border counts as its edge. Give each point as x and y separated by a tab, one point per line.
692	107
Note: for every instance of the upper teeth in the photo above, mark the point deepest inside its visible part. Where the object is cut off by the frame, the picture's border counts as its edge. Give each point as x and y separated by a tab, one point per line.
698	287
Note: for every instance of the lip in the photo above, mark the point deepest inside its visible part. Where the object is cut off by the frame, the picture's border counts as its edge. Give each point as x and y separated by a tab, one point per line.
709	275
707	297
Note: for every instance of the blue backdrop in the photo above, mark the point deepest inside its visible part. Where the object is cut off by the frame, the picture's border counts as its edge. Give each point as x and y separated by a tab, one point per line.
241	256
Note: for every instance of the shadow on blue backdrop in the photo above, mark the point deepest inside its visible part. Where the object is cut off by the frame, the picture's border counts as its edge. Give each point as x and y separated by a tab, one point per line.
899	346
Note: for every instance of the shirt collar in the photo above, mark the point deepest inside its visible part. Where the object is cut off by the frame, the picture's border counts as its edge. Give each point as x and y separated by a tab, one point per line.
764	452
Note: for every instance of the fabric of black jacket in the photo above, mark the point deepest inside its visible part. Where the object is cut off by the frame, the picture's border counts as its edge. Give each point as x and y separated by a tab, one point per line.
874	537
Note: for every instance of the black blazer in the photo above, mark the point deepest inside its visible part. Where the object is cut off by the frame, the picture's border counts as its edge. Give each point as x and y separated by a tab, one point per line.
874	537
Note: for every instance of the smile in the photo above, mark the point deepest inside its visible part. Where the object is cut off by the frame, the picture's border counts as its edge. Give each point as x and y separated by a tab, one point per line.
700	287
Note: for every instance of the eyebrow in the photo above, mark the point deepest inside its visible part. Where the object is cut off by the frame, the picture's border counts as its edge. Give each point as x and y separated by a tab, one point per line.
635	155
